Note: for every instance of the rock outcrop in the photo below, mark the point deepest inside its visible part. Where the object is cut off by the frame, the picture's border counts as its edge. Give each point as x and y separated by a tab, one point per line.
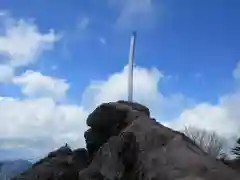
108	120
62	164
124	143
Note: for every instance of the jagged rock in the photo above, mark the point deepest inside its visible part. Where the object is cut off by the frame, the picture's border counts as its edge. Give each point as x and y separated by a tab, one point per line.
104	117
64	150
137	107
62	164
94	140
92	135
108	115
80	155
157	153
108	120
119	154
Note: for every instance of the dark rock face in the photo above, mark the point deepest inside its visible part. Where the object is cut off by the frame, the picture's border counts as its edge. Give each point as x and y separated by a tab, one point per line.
124	143
108	120
62	164
63	151
145	149
137	107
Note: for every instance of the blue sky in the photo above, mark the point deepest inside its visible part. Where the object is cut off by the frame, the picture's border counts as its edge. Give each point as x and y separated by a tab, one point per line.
187	56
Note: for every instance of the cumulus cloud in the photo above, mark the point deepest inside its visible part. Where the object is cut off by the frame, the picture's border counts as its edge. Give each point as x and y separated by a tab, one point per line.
115	87
35	84
40	124
22	42
145	89
209	117
6	73
221	117
134	13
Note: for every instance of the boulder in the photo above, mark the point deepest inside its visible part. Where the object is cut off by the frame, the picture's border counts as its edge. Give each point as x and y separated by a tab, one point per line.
136	106
146	150
108	115
62	164
94	140
108	120
104	117
64	150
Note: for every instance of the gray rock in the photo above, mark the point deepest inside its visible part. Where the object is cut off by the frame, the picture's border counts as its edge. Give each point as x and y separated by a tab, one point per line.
106	116
158	153
108	120
62	164
136	106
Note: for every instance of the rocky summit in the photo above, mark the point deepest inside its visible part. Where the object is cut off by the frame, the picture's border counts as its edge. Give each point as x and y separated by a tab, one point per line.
125	143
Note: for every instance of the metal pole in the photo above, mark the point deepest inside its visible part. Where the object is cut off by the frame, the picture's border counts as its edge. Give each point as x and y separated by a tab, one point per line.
130	67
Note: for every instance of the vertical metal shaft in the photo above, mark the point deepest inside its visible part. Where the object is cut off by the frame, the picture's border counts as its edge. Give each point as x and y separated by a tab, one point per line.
130	67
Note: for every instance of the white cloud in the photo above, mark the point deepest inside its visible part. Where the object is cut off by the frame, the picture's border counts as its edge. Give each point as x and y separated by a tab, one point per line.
33	124
115	87
6	73
222	117
22	42
35	84
134	13
145	90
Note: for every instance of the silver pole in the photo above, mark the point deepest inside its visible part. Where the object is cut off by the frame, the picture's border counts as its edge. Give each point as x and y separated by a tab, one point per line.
130	66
